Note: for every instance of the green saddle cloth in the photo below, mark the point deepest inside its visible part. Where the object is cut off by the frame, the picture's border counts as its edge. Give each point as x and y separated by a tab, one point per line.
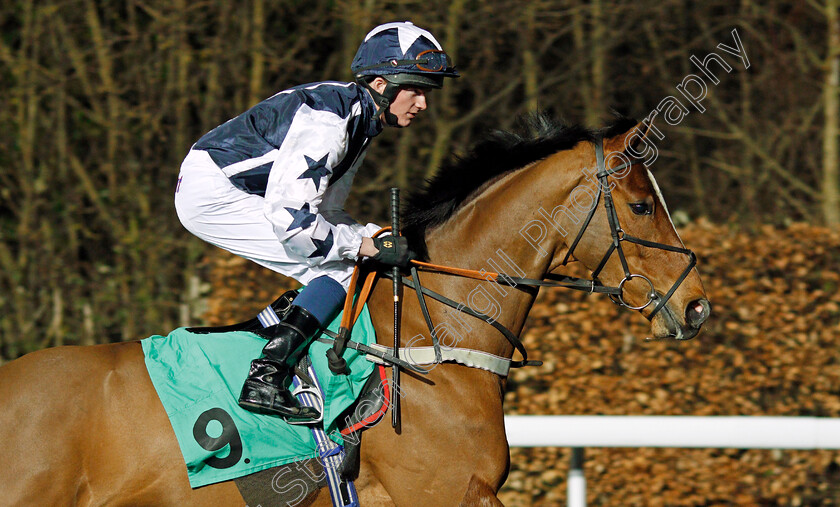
198	378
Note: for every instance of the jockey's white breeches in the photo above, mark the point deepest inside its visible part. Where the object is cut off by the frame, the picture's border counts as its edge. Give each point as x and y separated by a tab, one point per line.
210	207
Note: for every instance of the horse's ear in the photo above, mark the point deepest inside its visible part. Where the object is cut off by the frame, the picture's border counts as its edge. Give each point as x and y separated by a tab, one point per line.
635	142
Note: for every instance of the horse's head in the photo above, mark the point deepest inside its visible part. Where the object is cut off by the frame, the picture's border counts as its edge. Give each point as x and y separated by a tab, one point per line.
629	242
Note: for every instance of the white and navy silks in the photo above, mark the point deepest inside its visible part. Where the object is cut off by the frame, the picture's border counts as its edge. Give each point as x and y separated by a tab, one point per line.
270	184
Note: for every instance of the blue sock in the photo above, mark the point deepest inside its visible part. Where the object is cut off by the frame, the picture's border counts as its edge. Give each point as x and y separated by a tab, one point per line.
323	297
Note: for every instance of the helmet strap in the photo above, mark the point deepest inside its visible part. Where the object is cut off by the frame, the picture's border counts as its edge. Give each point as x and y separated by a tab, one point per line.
383	100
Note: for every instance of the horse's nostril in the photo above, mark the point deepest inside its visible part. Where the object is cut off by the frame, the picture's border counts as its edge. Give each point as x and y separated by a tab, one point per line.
697	312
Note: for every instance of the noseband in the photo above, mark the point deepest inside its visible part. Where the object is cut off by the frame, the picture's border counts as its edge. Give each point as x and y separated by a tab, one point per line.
619	236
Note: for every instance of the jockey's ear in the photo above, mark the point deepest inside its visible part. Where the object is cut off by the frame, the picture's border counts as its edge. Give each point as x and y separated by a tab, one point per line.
378	84
636	142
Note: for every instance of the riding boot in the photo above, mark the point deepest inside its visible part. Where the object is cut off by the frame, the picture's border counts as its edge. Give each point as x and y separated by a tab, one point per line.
265	388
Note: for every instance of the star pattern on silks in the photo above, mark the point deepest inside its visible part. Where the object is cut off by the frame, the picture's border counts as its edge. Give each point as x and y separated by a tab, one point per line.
301	218
322	247
315	171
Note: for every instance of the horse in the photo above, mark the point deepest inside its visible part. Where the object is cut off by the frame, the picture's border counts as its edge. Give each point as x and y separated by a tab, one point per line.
84	426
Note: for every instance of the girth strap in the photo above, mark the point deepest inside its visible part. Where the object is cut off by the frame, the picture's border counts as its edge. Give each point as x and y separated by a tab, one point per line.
419	356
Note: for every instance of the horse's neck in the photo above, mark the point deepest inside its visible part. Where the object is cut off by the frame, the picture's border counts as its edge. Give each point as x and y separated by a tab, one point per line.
497	218
488	232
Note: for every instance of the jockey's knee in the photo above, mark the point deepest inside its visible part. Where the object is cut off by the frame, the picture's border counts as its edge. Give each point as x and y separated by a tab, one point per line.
322	297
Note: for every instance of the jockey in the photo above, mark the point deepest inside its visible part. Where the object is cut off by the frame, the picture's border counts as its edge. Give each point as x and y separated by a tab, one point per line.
270	186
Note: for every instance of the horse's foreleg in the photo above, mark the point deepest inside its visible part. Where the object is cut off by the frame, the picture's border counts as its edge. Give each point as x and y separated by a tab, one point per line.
479	493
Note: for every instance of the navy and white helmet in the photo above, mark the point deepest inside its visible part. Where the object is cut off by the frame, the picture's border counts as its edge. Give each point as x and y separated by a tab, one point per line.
402	54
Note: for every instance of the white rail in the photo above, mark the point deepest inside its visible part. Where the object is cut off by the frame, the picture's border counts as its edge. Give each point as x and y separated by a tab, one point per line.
735	432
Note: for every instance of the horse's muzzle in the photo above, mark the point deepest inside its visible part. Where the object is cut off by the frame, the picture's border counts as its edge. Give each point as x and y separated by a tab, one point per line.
697	312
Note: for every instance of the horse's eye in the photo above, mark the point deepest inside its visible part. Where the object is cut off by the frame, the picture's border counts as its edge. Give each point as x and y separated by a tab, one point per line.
641	208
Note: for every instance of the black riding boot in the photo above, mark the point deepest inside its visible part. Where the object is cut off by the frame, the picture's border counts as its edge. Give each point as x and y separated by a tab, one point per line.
264	390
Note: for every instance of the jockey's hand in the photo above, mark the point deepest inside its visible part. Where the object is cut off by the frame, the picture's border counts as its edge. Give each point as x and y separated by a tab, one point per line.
393	251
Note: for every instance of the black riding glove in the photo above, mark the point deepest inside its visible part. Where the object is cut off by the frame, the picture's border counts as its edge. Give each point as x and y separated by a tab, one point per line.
393	251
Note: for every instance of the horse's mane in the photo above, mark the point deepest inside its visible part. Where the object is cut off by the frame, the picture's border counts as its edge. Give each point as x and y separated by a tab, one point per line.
499	153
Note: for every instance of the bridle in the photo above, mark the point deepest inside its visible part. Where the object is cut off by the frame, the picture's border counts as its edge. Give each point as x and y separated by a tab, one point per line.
619	236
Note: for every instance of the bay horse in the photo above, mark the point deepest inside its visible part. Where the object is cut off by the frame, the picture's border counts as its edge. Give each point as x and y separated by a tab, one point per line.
84	426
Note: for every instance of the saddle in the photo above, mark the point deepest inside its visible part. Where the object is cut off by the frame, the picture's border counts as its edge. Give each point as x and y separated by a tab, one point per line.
280	306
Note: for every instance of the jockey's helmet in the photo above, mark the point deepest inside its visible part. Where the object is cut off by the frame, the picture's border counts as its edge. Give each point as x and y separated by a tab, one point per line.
403	55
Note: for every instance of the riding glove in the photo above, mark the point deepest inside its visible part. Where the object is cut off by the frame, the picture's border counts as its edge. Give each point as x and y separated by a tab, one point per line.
393	251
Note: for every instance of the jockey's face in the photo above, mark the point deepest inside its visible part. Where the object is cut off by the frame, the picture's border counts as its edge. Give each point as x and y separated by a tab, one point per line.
409	102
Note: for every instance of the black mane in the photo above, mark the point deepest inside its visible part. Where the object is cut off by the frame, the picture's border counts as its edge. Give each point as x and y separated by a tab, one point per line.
499	153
